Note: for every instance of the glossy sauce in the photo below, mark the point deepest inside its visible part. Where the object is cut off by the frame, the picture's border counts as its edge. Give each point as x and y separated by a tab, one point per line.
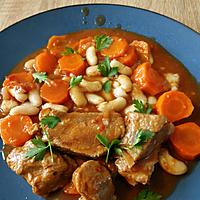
161	182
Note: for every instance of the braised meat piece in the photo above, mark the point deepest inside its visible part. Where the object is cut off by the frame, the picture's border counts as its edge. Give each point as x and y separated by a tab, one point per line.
76	132
138	121
44	175
93	181
141	172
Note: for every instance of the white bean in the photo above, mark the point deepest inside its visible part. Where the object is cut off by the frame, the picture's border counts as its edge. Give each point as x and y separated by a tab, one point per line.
94	99
117	105
122	69
56	107
18	94
5	94
152	100
24	109
125	82
91	56
138	94
170	164
30	65
92	71
119	92
90	86
7	105
34	98
77	96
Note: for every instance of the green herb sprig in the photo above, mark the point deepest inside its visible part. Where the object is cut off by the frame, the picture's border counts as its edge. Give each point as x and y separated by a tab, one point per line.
142	136
38	151
102	42
105	69
40	77
141	108
76	80
67	51
114	144
146	194
107	86
40	148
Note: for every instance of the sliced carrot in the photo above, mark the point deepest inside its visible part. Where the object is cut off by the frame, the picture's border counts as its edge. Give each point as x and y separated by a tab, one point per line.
129	58
45	62
149	80
57	45
70	189
55	91
118	48
72	63
84	44
15	130
175	105
20	77
186	140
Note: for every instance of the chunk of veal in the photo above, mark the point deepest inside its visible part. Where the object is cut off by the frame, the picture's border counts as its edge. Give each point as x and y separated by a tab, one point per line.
138	121
141	172
93	181
76	133
44	175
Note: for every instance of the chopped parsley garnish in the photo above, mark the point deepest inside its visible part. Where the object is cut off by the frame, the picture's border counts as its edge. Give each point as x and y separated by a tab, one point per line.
105	69
103	41
107	86
146	194
141	108
38	151
67	51
142	136
109	145
40	77
74	81
50	121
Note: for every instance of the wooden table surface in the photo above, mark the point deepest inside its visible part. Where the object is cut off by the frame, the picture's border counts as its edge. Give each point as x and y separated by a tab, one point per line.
185	11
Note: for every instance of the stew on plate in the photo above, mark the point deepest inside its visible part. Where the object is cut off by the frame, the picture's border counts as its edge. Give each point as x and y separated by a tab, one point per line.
100	114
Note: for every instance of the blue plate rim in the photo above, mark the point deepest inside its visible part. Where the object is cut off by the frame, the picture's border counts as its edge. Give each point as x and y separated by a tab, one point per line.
94	4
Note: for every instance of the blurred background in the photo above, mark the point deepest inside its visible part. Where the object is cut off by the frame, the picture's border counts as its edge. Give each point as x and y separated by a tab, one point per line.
185	11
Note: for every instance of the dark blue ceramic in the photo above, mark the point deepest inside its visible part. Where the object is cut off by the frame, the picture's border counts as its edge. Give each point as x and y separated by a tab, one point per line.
28	35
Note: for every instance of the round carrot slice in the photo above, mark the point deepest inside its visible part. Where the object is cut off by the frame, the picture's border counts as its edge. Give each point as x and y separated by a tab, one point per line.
21	77
55	91
118	48
15	130
45	62
72	63
129	58
175	105
186	140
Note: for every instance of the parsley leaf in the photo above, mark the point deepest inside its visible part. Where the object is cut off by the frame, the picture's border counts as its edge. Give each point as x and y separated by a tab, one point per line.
142	136
141	108
40	77
67	51
146	194
50	121
38	151
102	42
107	86
74	81
105	69
109	146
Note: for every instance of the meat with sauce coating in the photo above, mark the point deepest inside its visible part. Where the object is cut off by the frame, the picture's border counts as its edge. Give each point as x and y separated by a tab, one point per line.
44	175
93	181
